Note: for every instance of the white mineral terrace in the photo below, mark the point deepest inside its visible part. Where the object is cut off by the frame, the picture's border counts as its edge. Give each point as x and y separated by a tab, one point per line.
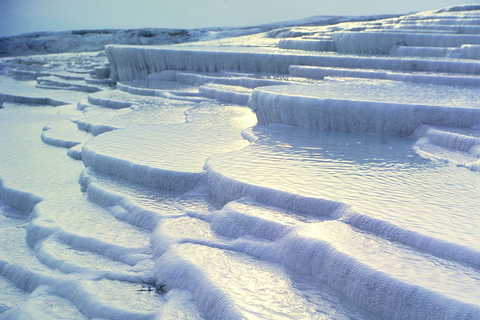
251	177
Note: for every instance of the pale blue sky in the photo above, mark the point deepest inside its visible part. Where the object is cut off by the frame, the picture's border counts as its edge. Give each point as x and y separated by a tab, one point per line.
21	16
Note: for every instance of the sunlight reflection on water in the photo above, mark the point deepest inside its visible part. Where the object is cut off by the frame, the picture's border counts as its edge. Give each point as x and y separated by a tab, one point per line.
380	176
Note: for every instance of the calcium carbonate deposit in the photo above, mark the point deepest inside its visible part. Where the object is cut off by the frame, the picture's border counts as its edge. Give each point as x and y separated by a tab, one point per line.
303	172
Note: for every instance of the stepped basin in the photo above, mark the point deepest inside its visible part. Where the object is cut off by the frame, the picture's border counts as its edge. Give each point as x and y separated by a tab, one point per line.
19	74
56	254
462	20
169	88
400	262
184	230
233	94
97	225
10	295
248	81
380	176
63	134
350	259
238	79
125	297
139	205
424	77
17	282
126	61
359	105
97	120
136	110
179	188
375	90
161	111
458	146
245	287
365	268
466	51
98	238
62	84
244	217
464	140
147	198
155	155
43	304
451	28
160	85
15	252
67	233
162	155
307	44
27	89
117	99
379	42
18	124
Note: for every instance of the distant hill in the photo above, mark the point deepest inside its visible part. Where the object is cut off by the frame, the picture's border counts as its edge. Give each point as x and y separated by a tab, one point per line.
95	40
88	40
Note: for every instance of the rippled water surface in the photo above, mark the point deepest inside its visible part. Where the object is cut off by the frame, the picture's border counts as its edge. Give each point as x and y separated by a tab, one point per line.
24	156
380	176
160	84
390	92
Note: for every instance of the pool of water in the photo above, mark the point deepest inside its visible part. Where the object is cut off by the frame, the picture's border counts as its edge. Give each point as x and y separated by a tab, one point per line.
386	91
380	176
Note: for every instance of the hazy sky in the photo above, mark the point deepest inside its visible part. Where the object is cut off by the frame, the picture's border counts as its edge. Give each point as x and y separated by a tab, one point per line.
21	16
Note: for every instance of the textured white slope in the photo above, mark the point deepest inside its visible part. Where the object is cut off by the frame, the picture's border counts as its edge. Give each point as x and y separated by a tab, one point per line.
128	63
183	207
422	77
169	157
385	107
322	173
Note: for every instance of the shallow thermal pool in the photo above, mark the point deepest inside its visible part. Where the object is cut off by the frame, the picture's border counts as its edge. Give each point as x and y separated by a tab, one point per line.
160	84
386	91
380	176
